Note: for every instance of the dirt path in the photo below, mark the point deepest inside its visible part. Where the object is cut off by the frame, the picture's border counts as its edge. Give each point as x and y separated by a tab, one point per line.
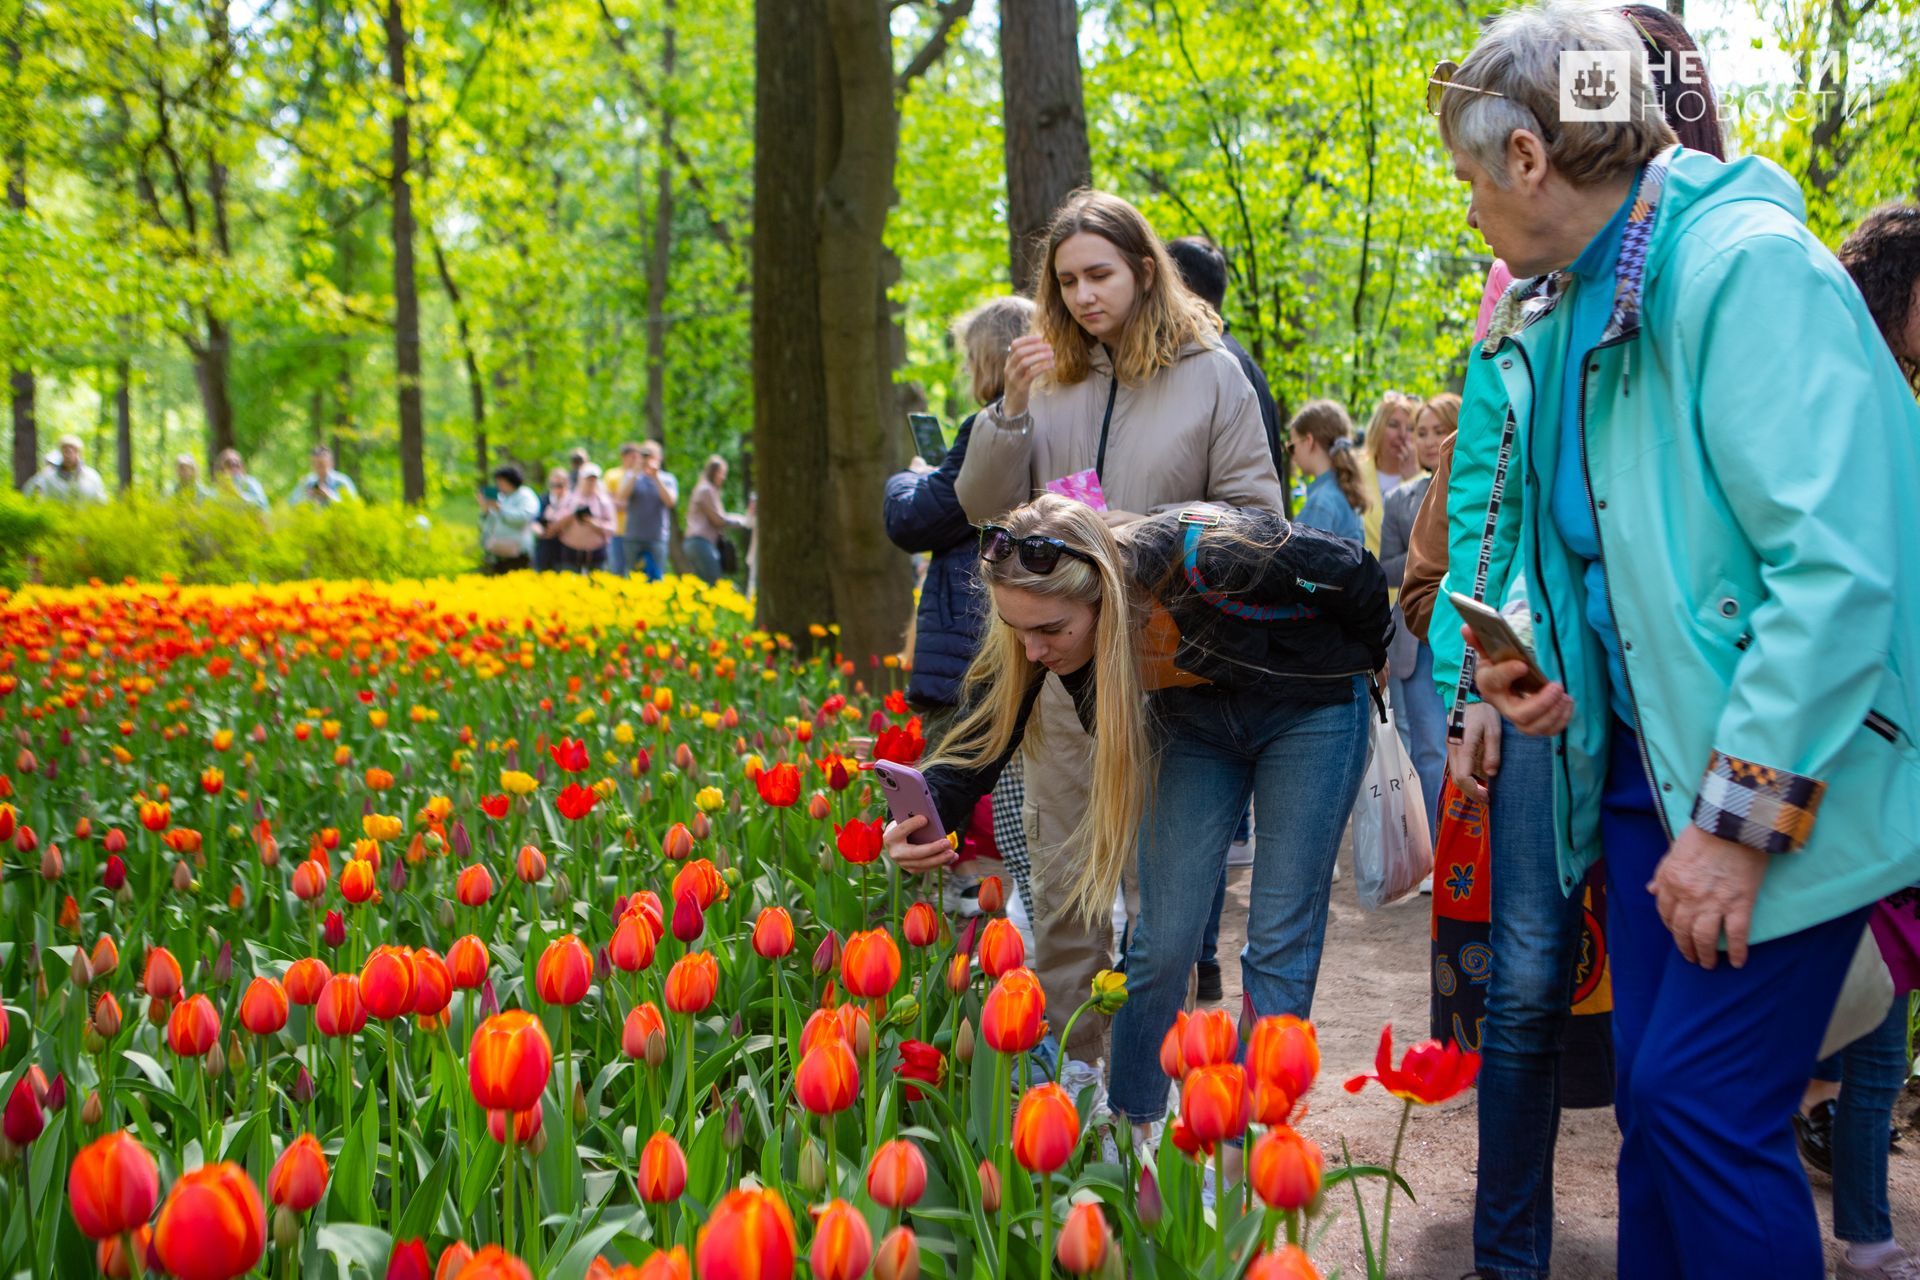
1375	971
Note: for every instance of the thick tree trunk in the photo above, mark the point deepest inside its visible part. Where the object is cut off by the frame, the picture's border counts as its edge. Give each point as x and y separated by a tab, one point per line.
660	259
212	371
20	384
872	583
1046	123
406	296
123	423
789	385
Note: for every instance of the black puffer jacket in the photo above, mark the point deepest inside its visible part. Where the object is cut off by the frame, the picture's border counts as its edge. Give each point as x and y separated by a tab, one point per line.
922	514
1259	600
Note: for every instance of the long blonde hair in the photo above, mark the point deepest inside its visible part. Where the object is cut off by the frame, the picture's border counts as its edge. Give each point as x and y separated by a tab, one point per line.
1446	407
1166	315
1326	422
997	683
985	333
1390	402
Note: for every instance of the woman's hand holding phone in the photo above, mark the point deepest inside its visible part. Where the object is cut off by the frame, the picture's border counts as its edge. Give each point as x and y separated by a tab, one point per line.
899	844
1542	713
1029	357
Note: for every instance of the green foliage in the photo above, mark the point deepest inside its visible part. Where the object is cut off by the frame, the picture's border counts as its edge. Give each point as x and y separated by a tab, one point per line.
224	542
21	522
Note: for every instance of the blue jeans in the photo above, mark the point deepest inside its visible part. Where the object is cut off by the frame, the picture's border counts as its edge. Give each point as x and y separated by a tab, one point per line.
1210	943
1535	932
1302	763
1873	1070
1421	718
1711	1066
649	557
617	563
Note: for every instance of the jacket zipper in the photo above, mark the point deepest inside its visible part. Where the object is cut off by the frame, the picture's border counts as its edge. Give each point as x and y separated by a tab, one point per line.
1586	479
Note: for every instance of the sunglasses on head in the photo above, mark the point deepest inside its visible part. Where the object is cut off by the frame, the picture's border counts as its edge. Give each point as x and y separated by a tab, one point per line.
1037	555
1445	76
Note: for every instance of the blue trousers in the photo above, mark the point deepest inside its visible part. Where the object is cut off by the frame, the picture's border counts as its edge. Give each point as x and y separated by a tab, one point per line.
1302	763
1711	1066
1421	718
1873	1070
1535	932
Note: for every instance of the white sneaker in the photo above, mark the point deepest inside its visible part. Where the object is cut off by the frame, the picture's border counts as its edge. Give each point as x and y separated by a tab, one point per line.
1426	886
1335	878
961	897
1240	853
1077	1076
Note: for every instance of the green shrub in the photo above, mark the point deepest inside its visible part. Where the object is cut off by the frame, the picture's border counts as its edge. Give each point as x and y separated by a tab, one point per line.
22	523
220	542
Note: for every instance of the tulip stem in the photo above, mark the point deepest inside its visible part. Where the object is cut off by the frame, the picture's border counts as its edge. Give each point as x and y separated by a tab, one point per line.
1046	1225
689	1082
1002	1086
1220	1201
1393	1170
136	1265
260	1107
393	1133
566	1106
506	1213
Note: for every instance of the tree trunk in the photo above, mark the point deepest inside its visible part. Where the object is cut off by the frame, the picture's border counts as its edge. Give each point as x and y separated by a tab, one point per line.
789	384
123	423
212	370
26	428
476	389
406	297
1046	124
661	257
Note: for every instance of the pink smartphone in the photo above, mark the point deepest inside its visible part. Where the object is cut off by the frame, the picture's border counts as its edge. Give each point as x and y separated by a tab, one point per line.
908	796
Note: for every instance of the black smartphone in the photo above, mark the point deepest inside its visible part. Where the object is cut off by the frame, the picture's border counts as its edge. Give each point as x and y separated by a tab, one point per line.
581	513
928	440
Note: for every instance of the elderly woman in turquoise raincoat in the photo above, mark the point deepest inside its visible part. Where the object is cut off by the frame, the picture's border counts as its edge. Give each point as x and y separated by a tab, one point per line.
1683	457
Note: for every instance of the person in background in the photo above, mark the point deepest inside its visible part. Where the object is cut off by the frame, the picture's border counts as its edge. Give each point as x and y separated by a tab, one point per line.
585	524
322	485
231	480
619	487
506	522
66	477
186	478
1419	715
650	503
1721	640
546	531
576	462
1337	495
1386	457
1203	269
708	521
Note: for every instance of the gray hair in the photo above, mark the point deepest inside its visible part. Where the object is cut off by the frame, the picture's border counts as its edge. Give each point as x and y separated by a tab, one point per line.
1518	59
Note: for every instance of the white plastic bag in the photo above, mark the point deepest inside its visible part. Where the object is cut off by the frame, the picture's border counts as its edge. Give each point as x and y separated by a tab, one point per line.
1392	848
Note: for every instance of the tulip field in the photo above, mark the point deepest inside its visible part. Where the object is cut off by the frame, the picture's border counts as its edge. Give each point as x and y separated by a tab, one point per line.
538	927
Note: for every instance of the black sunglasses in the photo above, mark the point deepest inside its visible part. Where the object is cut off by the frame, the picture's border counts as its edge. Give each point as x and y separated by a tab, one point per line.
1037	555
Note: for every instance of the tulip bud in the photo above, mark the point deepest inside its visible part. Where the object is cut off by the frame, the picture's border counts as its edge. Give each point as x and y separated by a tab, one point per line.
905	1011
57	1092
700	827
963	1042
897	1257
223	965
959	973
302	1089
811	1172
1109	991
182	876
51	863
655	1052
92	1109
333	931
286	1228
537	1145
114	874
989	1187
734	1133
107	1017
447	919
562	891
862	1038
81	969
826	957
216	1061
90	1040
1146	1198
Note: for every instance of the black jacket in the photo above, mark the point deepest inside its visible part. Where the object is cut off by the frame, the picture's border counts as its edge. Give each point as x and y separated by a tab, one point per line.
922	514
1269	414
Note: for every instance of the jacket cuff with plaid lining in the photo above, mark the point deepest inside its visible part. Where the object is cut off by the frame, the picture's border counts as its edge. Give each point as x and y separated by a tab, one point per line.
1757	805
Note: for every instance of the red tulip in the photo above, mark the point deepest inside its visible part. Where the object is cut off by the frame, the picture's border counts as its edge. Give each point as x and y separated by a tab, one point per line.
509	1062
773	934
1284	1169
779	787
341	1011
387	983
575	801
496	806
309	880
1013	1019
921	1062
474	887
921	928
1283	1057
467	962
263	1009
1288	1262
409	1261
305	979
860	842
897	1175
25	1120
828	1080
432	983
570	754
993	896
842	1244
193	1027
1001	947
1429	1073
1211	1039
870	964
643	1020
1172	1047
689	922
700	878
662	1174
110	1255
1045	1129
565	971
526	1124
748	1236
1215	1103
299	1176
692	982
1084	1239
113	1186
212	1226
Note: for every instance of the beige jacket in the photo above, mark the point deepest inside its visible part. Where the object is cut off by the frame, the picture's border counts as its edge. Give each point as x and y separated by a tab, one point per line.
1193	432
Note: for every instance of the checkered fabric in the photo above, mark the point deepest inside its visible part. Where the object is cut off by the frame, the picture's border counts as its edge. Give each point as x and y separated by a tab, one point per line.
1756	805
1010	825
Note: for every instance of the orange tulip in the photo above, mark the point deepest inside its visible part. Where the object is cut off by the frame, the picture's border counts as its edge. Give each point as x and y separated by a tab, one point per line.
432	983
1283	1057
509	1062
1173	1059
897	1175
662	1174
467	962
633	944
1215	1103
112	1187
842	1244
212	1226
677	844
1046	1129
1084	1239
692	982
828	1080
299	1176
1001	947
105	958
565	971
474	887
959	973
162	975
309	880
773	934
898	1257
110	1255
356	881
341	1011
701	880
748	1236
263	1009
921	927
1288	1262
494	1263
643	1020
452	1258
1013	1019
387	983
530	865
1211	1038
993	896
526	1124
664	1264
1284	1169
193	1027
304	981
870	964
